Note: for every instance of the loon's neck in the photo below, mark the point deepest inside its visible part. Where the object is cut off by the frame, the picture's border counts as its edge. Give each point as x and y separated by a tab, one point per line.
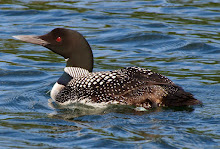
70	73
76	71
80	55
84	62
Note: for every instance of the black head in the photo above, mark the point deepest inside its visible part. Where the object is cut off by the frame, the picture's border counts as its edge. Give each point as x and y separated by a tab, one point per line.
68	43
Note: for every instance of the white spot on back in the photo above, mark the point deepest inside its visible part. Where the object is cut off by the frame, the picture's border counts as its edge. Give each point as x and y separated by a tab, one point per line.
113	77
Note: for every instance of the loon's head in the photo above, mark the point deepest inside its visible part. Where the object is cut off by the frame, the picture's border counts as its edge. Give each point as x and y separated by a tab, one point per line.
68	43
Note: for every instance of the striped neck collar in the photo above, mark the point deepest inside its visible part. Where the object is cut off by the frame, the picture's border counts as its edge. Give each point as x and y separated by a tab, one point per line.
76	71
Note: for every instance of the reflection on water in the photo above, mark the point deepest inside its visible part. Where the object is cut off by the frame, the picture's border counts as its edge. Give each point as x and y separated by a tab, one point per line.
179	39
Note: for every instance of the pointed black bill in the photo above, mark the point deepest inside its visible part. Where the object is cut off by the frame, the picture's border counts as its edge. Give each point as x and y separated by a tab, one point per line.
31	39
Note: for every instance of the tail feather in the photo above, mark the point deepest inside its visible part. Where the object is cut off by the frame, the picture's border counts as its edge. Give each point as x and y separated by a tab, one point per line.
180	98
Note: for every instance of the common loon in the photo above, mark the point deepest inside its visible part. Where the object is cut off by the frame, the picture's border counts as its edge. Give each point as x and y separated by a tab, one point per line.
128	86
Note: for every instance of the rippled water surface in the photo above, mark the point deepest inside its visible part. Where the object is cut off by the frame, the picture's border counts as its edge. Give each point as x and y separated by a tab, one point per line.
178	38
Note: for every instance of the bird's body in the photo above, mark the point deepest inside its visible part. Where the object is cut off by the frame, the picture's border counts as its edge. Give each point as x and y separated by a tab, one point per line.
128	86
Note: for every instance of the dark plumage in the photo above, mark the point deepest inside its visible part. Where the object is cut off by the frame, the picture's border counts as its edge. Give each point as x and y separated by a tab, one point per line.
129	86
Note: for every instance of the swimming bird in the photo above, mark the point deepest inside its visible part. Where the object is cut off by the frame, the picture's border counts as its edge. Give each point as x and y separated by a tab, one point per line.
134	86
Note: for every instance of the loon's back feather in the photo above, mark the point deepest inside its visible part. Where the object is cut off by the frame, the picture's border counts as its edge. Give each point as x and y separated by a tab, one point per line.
131	86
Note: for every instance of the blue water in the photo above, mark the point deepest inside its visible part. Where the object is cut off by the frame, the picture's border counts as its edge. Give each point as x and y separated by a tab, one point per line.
180	39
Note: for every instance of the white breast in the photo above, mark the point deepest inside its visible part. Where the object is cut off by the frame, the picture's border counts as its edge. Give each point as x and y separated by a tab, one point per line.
55	90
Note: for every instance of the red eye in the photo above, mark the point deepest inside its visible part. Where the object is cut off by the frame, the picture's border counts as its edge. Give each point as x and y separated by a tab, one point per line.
58	39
